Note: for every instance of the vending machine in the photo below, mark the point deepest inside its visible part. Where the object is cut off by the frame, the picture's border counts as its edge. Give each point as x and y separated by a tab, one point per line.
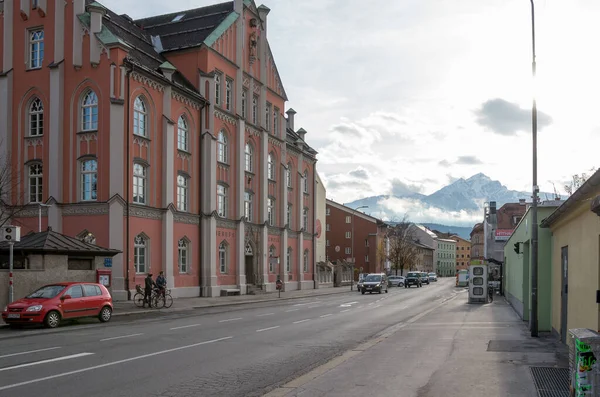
478	281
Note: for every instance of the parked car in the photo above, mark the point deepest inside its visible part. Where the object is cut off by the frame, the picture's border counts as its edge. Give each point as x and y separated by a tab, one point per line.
361	280
432	277
396	281
375	282
53	303
425	278
413	278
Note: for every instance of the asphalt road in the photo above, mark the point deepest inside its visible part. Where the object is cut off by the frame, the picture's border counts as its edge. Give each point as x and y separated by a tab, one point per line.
243	352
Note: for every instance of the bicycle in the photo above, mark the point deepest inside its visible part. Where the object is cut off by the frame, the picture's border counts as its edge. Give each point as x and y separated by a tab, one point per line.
158	300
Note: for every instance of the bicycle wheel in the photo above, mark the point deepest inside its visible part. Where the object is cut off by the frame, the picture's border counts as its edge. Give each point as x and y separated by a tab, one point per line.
158	302
168	301
138	300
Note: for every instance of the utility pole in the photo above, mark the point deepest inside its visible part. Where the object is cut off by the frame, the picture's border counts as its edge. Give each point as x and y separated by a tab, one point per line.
534	214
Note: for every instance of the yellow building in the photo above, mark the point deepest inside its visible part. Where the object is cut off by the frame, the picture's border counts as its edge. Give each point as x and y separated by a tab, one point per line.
575	228
463	253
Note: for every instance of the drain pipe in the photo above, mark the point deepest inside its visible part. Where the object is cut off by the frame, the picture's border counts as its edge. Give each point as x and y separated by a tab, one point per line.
128	189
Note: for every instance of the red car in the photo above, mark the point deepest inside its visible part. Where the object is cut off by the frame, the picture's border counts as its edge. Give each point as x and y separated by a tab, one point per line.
52	303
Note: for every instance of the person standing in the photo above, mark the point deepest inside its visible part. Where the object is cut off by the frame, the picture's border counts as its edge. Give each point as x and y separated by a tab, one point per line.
148	285
161	283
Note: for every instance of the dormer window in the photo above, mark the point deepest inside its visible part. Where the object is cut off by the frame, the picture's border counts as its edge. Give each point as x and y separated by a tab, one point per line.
178	18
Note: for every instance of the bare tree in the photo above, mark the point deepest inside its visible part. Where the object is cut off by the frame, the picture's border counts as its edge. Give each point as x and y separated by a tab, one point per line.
381	254
12	198
403	251
577	181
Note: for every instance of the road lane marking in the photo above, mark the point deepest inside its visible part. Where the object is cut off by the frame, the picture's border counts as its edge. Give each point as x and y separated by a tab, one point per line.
376	306
371	303
403	307
30	352
292	310
301	321
230	319
185	326
347	304
78	371
266	329
120	337
326	315
266	314
347	310
46	361
302	304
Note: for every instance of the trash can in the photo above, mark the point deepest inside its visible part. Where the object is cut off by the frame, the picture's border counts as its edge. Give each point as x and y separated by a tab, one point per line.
584	347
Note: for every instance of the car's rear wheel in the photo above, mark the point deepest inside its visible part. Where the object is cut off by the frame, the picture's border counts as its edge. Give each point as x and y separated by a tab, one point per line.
52	319
105	314
362	292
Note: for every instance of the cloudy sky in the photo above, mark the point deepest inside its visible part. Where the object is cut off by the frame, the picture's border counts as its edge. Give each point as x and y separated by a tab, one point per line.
416	93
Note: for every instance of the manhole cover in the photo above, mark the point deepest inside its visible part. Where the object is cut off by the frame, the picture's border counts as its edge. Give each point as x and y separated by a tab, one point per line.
550	381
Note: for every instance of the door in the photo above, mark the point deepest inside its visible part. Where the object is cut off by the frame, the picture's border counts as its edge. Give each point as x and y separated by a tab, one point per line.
564	292
249	269
92	299
74	306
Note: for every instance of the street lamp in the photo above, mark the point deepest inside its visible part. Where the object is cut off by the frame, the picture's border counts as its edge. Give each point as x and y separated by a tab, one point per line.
534	214
40	205
354	259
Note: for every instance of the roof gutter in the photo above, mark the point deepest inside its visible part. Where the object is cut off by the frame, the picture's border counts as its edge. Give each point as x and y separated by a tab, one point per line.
585	189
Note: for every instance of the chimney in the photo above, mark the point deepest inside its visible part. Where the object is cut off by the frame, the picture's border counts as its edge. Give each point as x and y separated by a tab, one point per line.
97	11
238	6
521	201
302	133
290	119
167	70
263	11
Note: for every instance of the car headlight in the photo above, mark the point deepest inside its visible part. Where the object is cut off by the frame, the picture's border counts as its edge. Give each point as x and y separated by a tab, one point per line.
5	308
34	308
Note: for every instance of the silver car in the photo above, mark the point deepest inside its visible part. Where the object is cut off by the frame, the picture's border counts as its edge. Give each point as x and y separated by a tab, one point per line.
432	277
396	281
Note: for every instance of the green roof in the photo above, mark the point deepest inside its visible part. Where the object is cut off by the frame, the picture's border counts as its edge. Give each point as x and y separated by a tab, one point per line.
167	65
219	30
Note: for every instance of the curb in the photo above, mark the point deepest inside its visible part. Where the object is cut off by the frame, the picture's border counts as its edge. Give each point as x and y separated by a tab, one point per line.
224	304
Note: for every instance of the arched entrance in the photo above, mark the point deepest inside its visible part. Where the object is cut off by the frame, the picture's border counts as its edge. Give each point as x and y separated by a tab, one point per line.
249	262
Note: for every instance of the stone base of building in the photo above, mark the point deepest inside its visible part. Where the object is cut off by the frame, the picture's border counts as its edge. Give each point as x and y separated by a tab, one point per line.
185	292
325	285
121	294
307	284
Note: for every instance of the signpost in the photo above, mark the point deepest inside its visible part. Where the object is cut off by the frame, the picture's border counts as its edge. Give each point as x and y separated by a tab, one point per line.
10	234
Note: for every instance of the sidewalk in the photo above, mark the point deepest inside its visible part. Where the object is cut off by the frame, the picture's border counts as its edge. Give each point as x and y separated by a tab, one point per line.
456	350
123	308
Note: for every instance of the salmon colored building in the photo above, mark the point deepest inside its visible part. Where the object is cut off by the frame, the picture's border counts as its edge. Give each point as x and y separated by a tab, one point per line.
164	138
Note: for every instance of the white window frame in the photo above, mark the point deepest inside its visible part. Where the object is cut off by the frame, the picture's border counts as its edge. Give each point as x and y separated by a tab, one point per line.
348	251
348	235
327	211
254	109
305	181
88	176
327	227
222	147
305	219
140	183
248	157
222	200
89	111
35	173
288	262
271	255
36	48
288	175
36	117
140	117
183	193
140	250
275	121
366	258
218	89
271	211
248	207
348	219
183	255
223	256
268	116
289	215
183	134
271	166
228	93
327	243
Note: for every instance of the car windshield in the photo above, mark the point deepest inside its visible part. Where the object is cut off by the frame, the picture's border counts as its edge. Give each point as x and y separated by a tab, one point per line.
432	274
373	278
47	292
413	275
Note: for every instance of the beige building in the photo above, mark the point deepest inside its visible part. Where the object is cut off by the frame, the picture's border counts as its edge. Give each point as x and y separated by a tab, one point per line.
463	253
575	228
424	258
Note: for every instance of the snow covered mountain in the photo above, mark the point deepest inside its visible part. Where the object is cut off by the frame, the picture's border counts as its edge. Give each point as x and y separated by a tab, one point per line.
458	204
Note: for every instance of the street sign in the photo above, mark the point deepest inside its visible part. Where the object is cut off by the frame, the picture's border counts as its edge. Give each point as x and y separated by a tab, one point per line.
107	262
